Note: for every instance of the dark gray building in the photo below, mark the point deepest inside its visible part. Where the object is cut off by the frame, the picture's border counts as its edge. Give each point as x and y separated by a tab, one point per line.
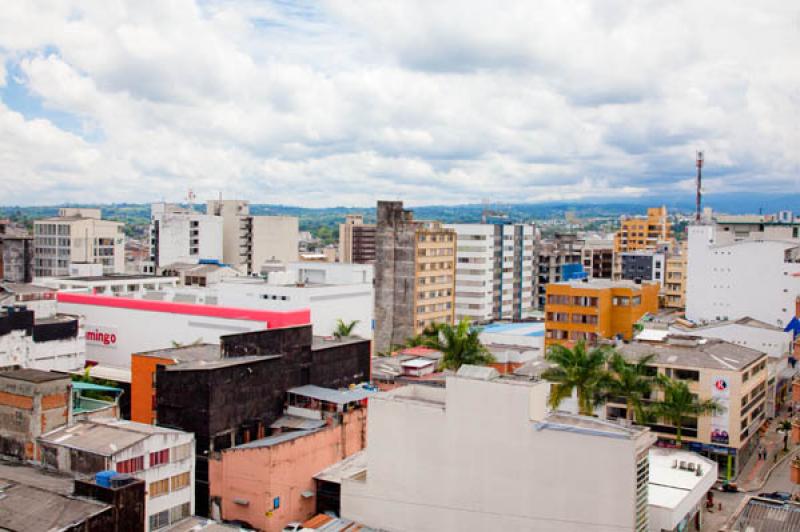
643	265
16	254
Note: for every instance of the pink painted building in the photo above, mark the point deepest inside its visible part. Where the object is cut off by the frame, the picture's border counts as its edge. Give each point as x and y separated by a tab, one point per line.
269	483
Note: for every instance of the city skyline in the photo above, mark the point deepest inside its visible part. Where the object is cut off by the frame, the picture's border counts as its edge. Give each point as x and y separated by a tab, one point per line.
343	104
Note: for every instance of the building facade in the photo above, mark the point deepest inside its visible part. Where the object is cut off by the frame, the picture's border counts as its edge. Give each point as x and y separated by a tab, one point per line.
643	265
494	271
596	309
551	255
733	272
163	458
644	233
116	327
235	399
675	280
32	402
181	234
356	240
77	236
16	254
414	275
584	474
733	375
52	343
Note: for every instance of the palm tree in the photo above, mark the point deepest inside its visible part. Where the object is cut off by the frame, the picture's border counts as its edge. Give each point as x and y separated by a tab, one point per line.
343	330
458	344
576	369
679	403
631	382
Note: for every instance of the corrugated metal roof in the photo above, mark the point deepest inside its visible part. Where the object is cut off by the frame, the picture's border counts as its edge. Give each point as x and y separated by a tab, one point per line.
765	516
329	395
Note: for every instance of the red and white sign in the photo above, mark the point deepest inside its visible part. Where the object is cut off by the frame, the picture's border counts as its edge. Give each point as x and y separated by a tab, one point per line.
101	336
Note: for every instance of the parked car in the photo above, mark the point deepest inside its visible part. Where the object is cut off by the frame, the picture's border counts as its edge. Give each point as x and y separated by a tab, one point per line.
777	496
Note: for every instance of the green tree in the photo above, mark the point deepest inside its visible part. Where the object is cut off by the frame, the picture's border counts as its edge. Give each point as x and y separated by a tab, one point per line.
576	369
631	382
459	344
343	330
680	403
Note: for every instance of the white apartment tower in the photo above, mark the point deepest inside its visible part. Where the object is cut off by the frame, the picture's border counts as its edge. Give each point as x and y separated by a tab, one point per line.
494	271
77	236
742	267
183	235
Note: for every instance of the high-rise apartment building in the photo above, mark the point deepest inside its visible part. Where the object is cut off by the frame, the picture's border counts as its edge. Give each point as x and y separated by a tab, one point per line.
77	236
643	266
550	257
414	275
644	233
595	309
494	271
181	234
356	240
250	241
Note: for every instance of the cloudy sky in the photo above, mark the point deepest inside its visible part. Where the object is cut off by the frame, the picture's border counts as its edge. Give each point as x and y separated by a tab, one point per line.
340	103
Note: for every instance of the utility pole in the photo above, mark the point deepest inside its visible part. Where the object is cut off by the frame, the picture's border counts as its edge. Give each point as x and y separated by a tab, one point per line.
698	213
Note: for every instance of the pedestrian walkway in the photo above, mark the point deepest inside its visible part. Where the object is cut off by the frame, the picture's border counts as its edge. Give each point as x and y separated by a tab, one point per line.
756	471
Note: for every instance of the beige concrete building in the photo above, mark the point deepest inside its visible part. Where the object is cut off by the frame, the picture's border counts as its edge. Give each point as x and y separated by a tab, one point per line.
77	236
356	240
483	453
734	375
674	289
414	275
250	241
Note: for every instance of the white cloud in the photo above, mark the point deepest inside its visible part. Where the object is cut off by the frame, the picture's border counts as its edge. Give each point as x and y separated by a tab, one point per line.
432	102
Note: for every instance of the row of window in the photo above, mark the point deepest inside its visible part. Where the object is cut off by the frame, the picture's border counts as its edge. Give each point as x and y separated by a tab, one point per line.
167	517
157	458
167	485
758	367
564	317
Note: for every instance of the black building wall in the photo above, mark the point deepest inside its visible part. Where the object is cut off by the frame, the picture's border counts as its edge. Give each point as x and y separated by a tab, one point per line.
230	404
127	505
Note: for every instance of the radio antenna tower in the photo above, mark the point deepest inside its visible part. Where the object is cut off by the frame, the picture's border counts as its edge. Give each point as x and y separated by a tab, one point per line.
698	213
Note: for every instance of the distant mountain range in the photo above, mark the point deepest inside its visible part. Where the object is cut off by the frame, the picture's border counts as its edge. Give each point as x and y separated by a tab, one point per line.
736	203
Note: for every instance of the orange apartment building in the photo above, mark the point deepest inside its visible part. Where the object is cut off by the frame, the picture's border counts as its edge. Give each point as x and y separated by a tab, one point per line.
596	309
643	234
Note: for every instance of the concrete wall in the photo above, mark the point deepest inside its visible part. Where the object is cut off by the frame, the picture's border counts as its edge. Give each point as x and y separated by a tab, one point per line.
28	410
395	246
435	467
274	238
745	278
285	470
19	349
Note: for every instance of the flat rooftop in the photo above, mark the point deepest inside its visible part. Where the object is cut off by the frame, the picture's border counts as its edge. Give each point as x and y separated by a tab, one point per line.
601	284
188	353
219	363
350	466
589	425
33	375
35	501
516	329
324	342
670	485
114	277
694	352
